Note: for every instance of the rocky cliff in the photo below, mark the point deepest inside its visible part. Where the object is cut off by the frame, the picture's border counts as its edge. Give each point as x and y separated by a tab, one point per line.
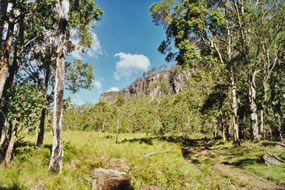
161	83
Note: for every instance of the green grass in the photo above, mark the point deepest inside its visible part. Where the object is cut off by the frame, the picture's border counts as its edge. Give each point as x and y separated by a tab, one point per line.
85	151
247	158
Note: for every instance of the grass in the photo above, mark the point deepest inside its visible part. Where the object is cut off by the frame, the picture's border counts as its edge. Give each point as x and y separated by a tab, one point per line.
247	158
85	151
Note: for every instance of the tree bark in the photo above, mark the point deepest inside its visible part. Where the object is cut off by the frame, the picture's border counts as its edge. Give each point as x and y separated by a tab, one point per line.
40	138
279	126
253	107
9	152
234	103
225	129
214	128
11	81
262	110
12	84
4	133
234	110
56	162
4	58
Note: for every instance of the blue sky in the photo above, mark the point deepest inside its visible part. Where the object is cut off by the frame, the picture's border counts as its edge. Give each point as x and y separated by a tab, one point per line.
125	45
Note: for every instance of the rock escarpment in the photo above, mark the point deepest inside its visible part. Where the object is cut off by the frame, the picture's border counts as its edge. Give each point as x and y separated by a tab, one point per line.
161	83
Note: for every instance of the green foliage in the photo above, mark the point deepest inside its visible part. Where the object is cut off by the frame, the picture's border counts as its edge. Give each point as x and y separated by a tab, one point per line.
235	40
79	76
24	107
174	114
160	12
83	15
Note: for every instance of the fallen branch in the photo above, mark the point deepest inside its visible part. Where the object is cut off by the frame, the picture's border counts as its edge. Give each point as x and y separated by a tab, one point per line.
281	144
155	153
274	143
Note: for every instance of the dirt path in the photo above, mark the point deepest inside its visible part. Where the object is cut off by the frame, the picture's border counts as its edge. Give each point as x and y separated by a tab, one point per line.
205	149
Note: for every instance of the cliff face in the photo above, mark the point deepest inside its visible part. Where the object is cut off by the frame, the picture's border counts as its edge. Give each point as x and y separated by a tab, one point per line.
161	83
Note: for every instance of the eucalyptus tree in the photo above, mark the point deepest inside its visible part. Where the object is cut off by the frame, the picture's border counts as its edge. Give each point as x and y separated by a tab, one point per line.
18	43
56	162
40	57
81	14
201	30
7	43
245	37
120	100
261	24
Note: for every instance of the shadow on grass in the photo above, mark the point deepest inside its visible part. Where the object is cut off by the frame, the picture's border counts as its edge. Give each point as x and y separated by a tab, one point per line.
242	162
14	187
184	142
30	146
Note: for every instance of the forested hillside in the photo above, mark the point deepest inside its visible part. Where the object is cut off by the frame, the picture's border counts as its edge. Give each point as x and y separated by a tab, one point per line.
211	116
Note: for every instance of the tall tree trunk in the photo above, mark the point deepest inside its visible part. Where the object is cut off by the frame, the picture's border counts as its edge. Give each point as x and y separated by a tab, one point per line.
282	98
9	152
56	162
262	110
3	13
12	83
224	133
253	107
214	128
224	129
234	110
4	58
40	138
4	131
234	104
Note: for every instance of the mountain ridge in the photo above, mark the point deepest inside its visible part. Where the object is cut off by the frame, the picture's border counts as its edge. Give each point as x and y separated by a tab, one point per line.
165	82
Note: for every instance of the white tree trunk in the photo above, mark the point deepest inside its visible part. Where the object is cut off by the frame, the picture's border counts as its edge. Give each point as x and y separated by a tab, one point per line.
262	110
4	133
253	107
56	162
234	110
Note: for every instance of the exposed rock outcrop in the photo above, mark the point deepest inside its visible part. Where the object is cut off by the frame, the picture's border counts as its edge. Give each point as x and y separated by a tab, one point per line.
109	179
115	178
119	164
160	83
271	159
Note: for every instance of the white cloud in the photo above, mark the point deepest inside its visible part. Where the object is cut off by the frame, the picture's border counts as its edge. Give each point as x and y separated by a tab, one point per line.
98	84
93	51
129	64
113	89
95	47
76	54
75	99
